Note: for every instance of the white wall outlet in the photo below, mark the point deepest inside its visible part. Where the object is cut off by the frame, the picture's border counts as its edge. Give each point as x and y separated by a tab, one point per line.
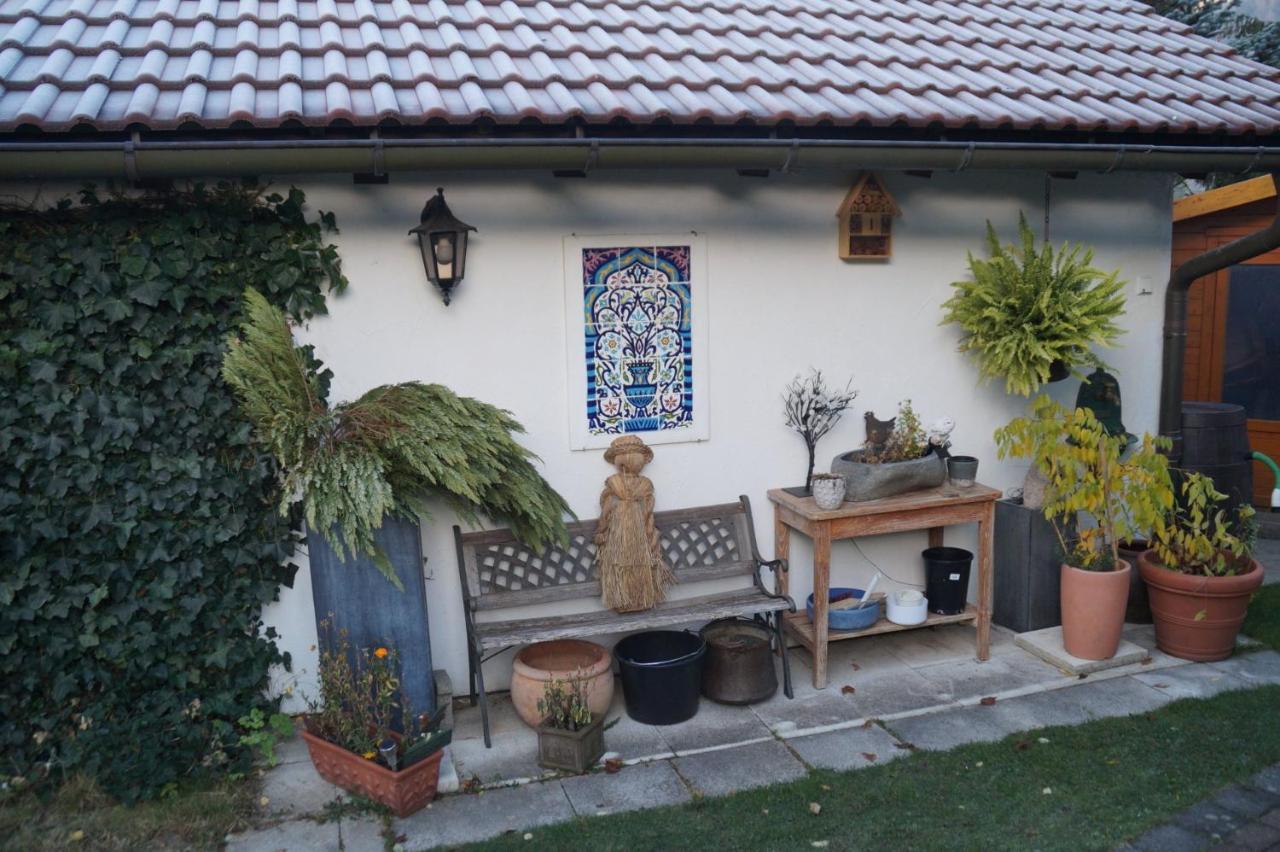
1143	285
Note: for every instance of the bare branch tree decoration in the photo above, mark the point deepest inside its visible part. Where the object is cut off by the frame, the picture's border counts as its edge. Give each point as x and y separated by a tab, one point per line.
812	410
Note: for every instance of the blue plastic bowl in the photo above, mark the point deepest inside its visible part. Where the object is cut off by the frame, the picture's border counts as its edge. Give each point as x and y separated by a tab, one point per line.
846	619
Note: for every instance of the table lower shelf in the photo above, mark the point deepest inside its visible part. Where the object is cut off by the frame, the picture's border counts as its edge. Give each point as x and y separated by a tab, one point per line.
799	625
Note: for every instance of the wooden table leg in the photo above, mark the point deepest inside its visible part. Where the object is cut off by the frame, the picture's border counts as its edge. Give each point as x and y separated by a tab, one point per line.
986	579
821	587
935	536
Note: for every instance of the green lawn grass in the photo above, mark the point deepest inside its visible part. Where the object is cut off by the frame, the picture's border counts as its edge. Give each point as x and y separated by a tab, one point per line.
80	816
1263	621
1091	786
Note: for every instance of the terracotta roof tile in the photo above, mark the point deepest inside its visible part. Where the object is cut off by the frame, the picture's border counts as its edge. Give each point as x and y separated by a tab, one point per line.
1088	65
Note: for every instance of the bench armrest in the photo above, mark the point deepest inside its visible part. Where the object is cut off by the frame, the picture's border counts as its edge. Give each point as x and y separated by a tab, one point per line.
776	566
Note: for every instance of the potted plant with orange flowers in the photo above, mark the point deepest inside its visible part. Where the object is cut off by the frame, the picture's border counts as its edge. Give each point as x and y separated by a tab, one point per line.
1200	573
364	738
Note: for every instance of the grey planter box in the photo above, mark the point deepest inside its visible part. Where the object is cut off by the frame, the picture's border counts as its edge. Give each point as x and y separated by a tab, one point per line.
572	751
873	481
1028	567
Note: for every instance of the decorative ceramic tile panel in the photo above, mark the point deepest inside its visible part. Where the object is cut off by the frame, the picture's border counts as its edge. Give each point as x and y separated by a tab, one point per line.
639	307
638	346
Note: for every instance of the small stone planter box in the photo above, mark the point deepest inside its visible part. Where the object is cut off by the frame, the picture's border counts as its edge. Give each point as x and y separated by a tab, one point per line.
572	751
404	792
874	481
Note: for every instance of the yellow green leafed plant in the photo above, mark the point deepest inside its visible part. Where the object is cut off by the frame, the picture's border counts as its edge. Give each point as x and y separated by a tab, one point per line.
1026	307
1125	496
1200	538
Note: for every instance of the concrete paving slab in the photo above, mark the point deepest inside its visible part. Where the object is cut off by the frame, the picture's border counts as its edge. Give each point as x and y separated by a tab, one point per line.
931	645
1210	819
827	707
294	789
295	836
1171	838
951	728
724	771
1122	696
847	748
899	691
645	785
1246	801
714	725
1268	780
1256	667
361	835
514	755
292	750
971	679
1047	645
1191	681
467	818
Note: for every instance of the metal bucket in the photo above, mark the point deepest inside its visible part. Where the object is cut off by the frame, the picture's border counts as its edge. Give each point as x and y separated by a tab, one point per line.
739	664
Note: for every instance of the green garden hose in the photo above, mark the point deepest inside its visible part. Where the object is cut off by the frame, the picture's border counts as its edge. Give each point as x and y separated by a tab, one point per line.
1275	473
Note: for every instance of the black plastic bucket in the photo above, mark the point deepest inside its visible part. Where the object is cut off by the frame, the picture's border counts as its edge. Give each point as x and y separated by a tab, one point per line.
661	675
946	572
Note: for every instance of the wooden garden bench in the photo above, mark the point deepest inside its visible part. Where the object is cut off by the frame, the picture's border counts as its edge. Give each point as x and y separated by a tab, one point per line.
704	543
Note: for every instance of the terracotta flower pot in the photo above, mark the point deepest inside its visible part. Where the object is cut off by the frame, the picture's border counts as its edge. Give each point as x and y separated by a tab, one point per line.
1093	605
561	659
1177	599
404	792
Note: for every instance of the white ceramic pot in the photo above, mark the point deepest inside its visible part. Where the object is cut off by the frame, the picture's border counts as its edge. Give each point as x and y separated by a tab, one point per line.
907	607
828	491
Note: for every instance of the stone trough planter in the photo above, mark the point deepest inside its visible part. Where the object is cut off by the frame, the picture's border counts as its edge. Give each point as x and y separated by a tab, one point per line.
874	481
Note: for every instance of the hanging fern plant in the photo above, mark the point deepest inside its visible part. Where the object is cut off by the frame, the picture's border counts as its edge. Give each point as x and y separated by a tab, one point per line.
384	453
1027	307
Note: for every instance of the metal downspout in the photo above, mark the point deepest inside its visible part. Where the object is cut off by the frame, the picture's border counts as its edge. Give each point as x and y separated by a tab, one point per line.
1175	316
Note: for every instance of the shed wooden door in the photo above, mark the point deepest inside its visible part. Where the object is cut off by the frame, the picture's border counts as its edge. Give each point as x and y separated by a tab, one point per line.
1233	347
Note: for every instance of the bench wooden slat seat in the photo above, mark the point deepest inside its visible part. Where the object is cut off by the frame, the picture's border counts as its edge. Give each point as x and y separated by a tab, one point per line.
700	544
503	634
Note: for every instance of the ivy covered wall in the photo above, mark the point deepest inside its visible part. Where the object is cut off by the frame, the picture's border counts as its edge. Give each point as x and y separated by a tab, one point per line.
139	537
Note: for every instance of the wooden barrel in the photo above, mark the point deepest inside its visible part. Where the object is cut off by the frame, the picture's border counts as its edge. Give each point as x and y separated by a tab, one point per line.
1215	442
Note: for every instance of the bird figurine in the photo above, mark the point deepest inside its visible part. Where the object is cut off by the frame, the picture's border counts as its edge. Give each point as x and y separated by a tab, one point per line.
940	435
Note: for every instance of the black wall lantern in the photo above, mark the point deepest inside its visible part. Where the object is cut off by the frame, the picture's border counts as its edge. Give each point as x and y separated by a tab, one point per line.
443	239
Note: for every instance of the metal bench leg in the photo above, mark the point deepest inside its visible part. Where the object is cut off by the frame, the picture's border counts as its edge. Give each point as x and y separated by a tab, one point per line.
786	659
484	701
471	672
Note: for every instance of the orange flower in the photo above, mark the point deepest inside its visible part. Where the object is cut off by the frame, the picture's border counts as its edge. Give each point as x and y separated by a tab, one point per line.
380	653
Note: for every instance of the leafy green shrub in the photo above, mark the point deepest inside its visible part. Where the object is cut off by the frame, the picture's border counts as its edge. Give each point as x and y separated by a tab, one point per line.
1027	307
138	528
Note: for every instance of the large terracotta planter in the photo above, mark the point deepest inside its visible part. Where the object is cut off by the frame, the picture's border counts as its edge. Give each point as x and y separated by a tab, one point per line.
404	792
1093	605
561	659
1177	599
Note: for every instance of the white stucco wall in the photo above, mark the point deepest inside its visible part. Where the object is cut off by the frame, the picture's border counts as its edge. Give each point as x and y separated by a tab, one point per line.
781	302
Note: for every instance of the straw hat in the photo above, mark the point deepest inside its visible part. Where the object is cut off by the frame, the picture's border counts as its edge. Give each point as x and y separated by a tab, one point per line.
628	444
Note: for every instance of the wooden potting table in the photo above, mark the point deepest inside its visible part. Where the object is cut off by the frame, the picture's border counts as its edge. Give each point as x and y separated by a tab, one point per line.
932	509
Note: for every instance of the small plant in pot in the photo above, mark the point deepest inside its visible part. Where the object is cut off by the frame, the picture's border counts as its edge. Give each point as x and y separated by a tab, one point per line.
1200	573
1088	475
897	457
364	738
570	737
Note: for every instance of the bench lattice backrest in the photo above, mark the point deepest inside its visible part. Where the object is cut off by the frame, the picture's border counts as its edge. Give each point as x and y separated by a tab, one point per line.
703	543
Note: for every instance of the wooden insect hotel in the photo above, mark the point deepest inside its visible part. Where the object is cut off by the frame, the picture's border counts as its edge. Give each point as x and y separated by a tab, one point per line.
865	221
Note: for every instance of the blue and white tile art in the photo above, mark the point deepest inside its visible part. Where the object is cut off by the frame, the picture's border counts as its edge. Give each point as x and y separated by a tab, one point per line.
638	309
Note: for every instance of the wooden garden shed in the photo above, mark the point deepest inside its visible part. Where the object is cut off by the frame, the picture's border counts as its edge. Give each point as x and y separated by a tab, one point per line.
1233	315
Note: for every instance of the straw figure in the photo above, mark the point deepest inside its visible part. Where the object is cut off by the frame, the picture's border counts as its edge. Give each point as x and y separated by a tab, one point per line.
633	575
